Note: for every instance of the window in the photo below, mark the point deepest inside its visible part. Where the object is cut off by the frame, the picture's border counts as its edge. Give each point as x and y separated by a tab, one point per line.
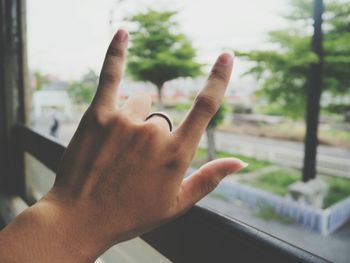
261	122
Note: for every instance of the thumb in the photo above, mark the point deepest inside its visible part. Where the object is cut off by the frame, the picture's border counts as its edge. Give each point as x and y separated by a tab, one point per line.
205	180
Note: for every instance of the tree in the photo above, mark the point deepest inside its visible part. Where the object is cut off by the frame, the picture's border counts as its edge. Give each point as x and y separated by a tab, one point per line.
314	93
217	119
284	73
158	52
83	91
40	80
304	66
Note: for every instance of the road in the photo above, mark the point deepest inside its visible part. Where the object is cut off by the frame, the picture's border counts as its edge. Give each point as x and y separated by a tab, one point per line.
331	161
262	142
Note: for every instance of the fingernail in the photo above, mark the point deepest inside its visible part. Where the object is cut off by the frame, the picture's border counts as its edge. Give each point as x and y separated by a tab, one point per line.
225	59
121	35
241	165
244	165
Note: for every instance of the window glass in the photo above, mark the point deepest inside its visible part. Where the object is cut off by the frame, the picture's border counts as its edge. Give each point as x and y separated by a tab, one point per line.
39	179
262	118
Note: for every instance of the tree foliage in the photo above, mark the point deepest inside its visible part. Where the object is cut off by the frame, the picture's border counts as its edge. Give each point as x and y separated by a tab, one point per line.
283	72
82	92
160	53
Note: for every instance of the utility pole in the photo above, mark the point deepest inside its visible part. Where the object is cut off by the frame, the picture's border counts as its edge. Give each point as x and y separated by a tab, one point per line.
314	97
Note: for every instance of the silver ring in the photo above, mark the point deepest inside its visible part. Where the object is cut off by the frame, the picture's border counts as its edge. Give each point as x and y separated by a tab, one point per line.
164	116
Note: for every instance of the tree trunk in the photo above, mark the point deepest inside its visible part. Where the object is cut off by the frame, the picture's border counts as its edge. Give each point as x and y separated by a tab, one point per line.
314	97
160	105
210	131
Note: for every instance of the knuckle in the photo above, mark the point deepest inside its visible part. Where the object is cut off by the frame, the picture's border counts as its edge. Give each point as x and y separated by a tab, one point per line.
174	164
218	74
150	130
116	120
176	149
109	77
178	157
96	117
206	104
102	118
182	152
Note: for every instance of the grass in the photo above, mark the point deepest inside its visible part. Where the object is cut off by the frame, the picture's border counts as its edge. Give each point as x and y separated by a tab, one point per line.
339	189
254	164
277	182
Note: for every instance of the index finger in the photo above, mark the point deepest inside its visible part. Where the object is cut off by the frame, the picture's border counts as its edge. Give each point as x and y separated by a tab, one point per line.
207	101
112	70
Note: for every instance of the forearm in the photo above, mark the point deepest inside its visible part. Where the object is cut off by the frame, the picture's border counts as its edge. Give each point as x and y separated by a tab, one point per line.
32	237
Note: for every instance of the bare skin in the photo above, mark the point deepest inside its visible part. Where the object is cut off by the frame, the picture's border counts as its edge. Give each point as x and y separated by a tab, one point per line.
120	175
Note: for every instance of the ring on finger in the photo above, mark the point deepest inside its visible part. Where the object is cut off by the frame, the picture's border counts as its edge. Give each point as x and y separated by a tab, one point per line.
162	115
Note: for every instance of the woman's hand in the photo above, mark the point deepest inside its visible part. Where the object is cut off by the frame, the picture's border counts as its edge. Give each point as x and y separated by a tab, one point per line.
121	175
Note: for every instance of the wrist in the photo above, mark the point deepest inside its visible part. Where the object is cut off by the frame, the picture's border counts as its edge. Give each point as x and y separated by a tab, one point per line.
64	232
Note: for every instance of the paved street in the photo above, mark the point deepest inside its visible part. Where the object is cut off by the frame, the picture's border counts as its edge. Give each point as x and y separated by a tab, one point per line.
262	142
332	161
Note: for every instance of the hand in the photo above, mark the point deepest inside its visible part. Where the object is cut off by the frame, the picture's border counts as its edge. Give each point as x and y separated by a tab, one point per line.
121	175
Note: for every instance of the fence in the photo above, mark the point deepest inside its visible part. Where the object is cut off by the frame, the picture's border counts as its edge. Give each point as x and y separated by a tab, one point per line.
323	221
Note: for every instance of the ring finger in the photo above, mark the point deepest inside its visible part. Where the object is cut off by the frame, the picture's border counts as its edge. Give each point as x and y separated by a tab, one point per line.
138	106
162	120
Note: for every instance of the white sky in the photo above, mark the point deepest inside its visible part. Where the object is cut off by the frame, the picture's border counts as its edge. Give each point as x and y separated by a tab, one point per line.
68	37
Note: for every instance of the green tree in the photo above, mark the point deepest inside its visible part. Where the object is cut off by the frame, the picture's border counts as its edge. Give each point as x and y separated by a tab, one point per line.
217	119
284	72
82	92
160	53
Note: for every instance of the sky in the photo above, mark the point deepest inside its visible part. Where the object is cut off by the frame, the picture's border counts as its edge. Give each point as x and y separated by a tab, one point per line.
66	38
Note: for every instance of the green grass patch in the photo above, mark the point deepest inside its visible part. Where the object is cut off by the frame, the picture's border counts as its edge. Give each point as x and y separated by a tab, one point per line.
339	189
277	182
254	164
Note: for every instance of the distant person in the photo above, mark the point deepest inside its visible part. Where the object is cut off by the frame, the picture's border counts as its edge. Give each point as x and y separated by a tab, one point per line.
55	124
122	173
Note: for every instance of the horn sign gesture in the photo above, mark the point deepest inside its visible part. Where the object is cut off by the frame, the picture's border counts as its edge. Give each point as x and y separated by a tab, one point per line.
123	173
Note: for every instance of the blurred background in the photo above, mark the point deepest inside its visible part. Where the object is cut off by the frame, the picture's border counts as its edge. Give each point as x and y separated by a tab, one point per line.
286	111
